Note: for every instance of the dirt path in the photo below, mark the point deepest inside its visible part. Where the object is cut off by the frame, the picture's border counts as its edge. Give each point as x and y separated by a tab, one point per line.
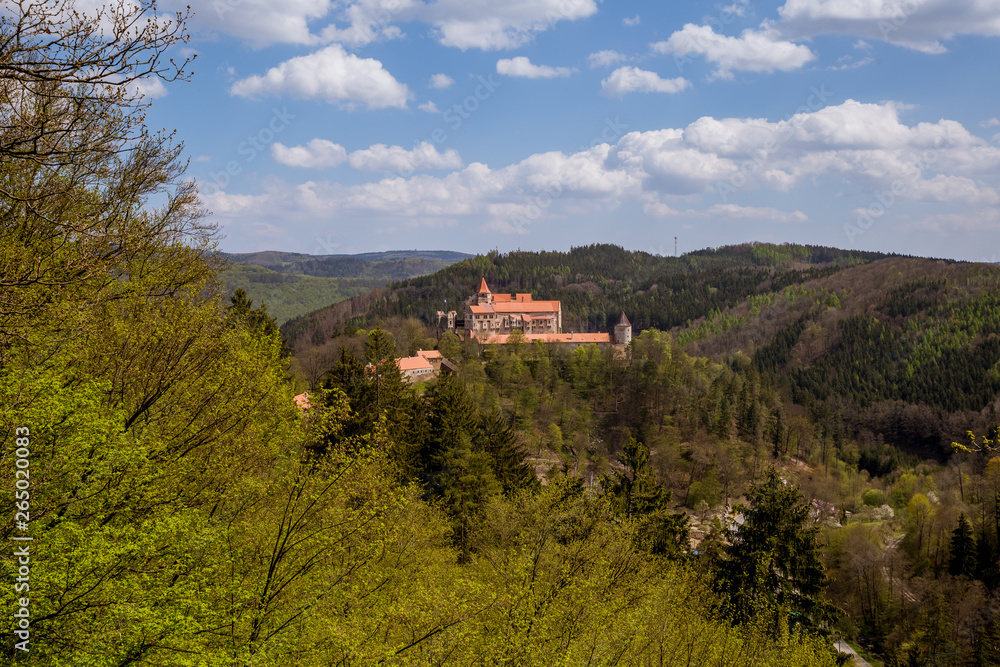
844	647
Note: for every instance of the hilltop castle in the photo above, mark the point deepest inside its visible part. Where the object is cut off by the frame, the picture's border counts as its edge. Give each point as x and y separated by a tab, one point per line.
491	318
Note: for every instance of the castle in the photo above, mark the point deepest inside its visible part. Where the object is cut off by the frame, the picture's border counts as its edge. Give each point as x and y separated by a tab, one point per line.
491	318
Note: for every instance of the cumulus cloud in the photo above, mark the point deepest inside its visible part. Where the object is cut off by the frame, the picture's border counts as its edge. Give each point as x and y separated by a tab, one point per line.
317	154
490	25
992	122
429	107
330	74
369	21
753	51
321	154
523	67
260	22
396	158
915	24
634	80
605	58
441	81
867	148
632	21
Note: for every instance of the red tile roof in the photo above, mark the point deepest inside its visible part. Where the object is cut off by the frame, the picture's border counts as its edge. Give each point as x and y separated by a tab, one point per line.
483	287
501	339
413	364
527	307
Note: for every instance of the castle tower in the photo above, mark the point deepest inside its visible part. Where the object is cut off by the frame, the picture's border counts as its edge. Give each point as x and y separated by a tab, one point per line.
484	296
623	331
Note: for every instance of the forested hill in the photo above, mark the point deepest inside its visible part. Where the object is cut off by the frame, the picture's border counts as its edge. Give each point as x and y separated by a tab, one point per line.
292	284
595	283
901	350
396	264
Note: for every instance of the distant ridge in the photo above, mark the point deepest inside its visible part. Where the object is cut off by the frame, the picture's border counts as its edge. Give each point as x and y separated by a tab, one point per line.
292	284
396	264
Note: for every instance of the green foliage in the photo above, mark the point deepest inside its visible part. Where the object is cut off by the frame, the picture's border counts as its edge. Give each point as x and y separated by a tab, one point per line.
241	312
289	296
773	559
873	498
635	493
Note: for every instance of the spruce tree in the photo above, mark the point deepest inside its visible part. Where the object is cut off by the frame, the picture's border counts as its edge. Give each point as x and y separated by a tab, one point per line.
963	550
773	559
497	437
635	493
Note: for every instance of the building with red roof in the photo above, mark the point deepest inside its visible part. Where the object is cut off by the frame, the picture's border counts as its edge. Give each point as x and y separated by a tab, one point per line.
491	318
488	314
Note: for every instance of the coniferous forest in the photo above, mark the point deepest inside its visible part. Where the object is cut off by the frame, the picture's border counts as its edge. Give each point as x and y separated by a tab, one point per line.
767	468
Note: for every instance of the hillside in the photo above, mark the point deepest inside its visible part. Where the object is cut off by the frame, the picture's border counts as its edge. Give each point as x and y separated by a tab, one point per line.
394	264
291	284
594	284
905	351
882	349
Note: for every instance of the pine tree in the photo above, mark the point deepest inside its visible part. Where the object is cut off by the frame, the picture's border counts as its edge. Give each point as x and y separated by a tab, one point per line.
636	494
773	559
497	437
963	550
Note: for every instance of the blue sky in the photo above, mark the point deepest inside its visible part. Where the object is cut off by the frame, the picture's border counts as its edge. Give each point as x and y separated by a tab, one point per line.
348	126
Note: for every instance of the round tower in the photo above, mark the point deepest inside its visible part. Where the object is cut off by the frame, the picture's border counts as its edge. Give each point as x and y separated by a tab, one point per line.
623	331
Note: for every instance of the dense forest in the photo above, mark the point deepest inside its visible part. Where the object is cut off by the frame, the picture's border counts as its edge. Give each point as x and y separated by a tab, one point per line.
177	507
726	490
853	374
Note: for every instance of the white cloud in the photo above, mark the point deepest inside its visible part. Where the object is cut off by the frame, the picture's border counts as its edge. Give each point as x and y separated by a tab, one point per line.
332	75
634	80
465	24
753	51
917	24
260	22
369	21
523	67
605	58
321	154
317	154
864	149
429	107
848	62
992	122
150	87
396	158
630	22
441	81
736	9
491	25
